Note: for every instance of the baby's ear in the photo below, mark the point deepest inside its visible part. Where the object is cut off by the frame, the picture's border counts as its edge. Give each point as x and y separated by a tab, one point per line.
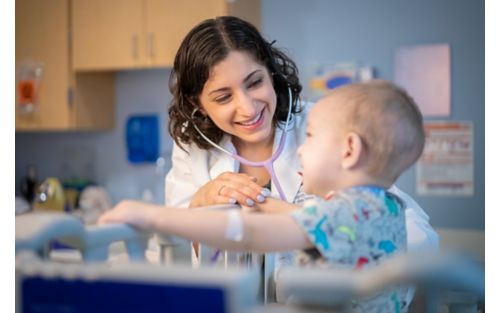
352	148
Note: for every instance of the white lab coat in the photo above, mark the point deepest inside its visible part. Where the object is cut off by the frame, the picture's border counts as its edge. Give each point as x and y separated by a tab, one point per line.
192	169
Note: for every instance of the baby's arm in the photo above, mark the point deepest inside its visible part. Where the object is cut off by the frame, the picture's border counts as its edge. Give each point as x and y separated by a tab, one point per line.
261	232
275	206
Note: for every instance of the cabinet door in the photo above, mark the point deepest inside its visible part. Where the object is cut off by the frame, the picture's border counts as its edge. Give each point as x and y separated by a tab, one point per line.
107	34
168	22
42	34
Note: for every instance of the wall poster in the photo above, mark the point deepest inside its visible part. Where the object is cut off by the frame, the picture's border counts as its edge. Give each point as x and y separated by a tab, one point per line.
446	167
424	71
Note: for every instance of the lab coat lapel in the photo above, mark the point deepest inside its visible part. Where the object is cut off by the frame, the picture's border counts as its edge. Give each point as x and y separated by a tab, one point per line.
219	162
208	164
287	165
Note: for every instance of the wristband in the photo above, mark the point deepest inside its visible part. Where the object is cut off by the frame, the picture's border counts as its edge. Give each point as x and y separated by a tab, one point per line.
234	230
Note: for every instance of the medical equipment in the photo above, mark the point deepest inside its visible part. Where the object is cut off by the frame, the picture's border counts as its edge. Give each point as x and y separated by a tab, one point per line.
43	285
37	231
267	164
47	286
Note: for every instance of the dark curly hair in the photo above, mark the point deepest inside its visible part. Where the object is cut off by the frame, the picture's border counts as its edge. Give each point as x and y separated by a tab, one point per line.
205	46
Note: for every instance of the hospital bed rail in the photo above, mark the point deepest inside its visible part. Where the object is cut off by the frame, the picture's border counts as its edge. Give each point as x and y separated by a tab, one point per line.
303	289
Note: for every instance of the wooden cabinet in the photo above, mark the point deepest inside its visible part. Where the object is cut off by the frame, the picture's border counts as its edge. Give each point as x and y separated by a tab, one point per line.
168	21
65	101
106	34
126	34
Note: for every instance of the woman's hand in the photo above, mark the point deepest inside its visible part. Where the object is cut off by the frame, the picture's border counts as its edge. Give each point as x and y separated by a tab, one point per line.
138	214
231	188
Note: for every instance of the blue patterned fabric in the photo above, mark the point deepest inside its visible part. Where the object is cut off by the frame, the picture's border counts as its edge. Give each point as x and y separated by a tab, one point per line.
358	228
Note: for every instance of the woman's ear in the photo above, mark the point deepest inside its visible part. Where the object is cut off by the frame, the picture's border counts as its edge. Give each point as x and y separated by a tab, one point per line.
203	112
195	103
352	147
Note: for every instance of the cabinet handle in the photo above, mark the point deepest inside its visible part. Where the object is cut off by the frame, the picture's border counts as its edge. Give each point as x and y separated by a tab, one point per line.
151	45
133	46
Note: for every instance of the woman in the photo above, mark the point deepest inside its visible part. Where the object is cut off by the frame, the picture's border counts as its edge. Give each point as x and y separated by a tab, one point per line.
239	84
238	87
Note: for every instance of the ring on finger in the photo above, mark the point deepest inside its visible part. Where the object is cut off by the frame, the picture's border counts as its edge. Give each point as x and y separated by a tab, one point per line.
220	189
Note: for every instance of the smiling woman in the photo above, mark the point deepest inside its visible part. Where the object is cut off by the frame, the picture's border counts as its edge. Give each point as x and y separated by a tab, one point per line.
231	84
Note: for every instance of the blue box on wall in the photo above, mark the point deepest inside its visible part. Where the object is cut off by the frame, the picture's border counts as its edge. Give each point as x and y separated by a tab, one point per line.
142	138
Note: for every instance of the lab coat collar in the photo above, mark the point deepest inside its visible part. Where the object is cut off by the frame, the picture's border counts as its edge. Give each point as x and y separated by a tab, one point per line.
207	164
220	162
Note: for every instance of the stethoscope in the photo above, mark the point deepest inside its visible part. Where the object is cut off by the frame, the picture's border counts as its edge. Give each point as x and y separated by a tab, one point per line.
267	164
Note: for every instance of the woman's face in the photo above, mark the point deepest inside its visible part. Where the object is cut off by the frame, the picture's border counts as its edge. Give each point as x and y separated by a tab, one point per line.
240	99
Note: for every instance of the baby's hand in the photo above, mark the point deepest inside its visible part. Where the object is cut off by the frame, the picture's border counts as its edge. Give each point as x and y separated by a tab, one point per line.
134	213
275	206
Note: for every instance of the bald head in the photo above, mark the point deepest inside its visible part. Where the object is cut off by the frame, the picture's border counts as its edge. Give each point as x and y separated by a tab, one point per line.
385	117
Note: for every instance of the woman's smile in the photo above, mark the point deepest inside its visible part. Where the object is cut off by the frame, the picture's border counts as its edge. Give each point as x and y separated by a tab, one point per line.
254	123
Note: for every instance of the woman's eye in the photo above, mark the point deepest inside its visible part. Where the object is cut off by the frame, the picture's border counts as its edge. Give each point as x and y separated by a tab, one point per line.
222	99
255	83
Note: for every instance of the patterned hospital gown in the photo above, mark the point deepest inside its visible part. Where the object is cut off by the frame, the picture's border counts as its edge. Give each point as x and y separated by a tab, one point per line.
356	229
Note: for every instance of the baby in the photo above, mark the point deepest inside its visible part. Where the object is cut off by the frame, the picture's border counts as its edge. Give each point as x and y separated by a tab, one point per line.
360	138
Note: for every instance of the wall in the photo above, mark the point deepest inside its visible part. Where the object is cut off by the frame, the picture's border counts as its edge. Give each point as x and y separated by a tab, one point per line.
331	31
